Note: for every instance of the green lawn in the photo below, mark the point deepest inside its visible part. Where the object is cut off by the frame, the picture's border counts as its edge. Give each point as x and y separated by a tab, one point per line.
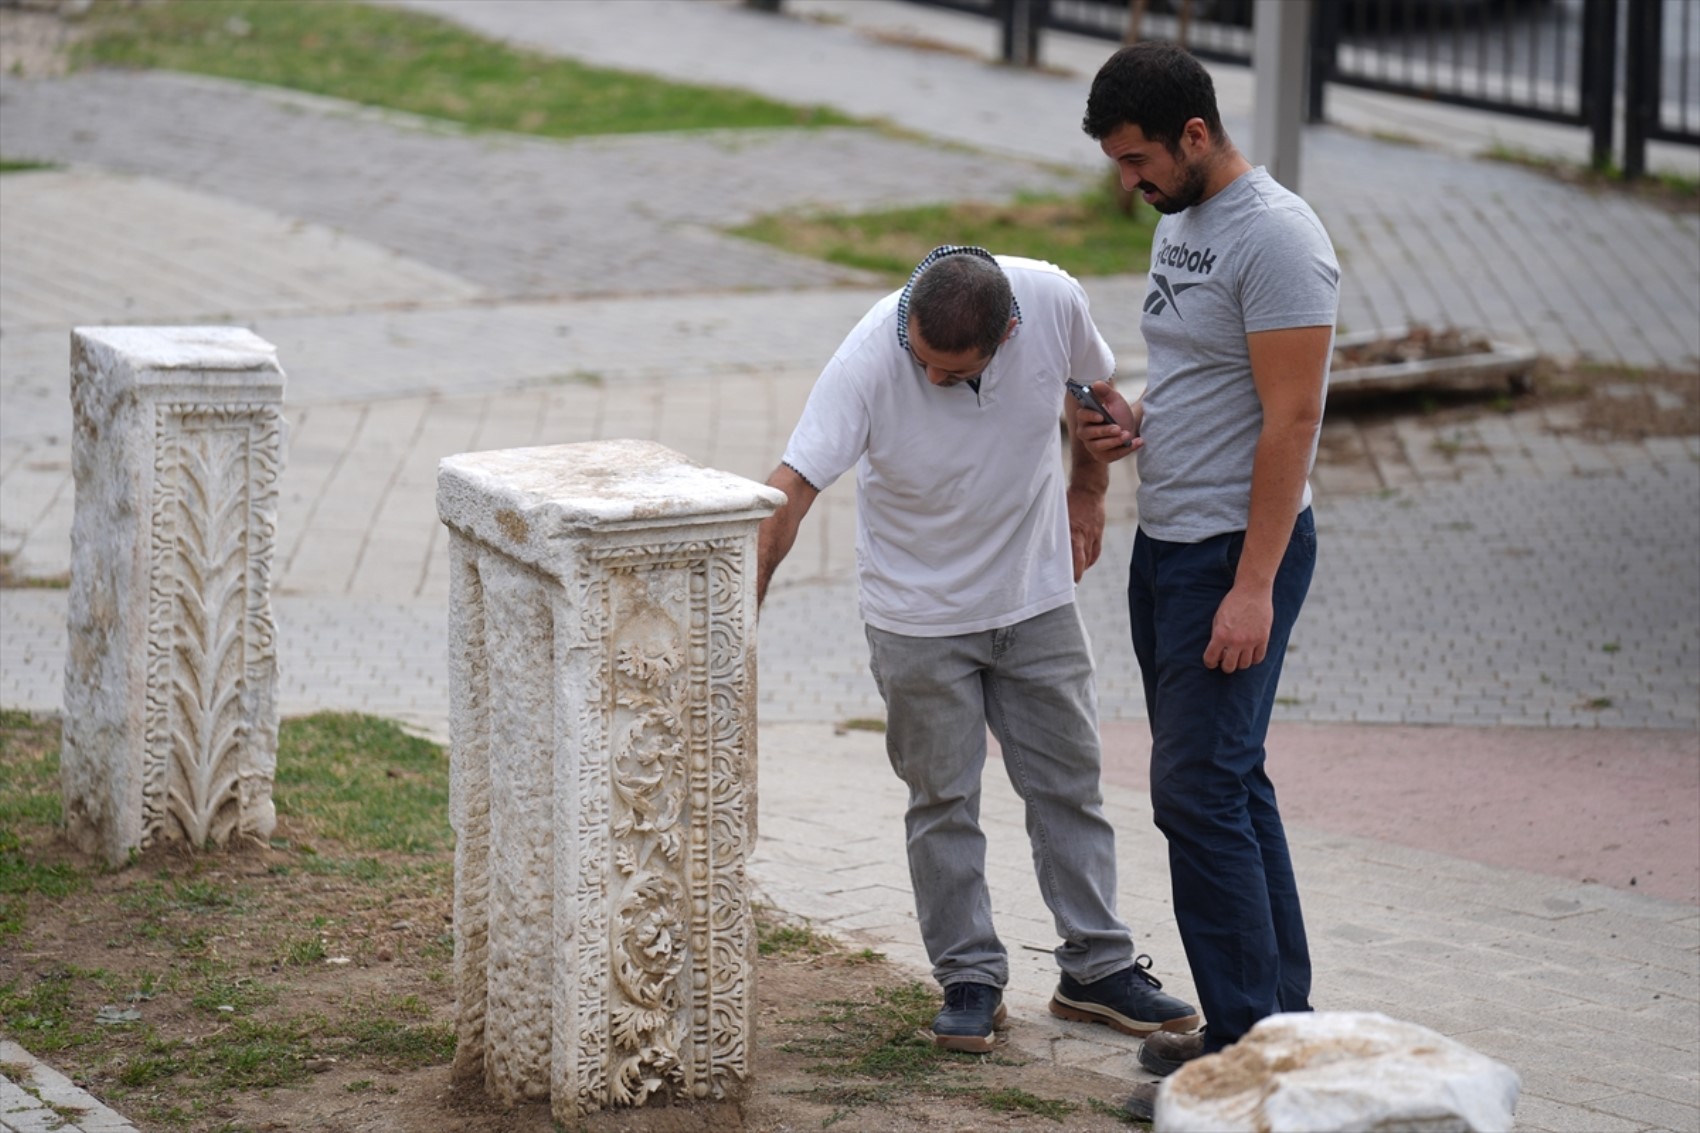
417	63
1086	235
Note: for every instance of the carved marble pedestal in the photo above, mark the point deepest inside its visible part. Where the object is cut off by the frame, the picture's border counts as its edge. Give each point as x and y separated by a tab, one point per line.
171	678
602	789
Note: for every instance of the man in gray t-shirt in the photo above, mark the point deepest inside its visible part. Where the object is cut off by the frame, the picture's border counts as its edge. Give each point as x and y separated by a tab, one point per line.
1239	322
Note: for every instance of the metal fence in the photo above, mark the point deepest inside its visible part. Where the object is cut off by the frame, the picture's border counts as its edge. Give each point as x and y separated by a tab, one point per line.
1219	30
1542	59
1560	61
1662	73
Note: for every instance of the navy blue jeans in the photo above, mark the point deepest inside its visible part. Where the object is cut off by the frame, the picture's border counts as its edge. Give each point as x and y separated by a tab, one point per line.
1236	902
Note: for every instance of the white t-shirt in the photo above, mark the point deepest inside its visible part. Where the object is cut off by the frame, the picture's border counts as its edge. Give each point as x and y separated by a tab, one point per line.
962	523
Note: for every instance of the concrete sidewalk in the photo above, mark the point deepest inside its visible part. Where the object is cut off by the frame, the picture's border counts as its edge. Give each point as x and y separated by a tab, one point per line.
433	292
1585	991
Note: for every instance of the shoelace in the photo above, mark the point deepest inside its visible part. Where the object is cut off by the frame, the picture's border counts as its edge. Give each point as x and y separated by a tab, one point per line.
957	996
1142	969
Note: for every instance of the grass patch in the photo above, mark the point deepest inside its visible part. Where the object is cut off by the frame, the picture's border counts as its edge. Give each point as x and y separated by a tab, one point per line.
212	977
365	782
775	939
414	62
1394	137
302	953
872	1051
1084	235
29	814
1016	1100
16	165
277	979
1671	190
375	1034
233	996
41	1013
248	1054
1114	1112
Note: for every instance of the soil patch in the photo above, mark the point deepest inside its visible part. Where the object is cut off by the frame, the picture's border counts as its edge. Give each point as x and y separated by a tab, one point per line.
1597	402
35	42
306	983
1418	344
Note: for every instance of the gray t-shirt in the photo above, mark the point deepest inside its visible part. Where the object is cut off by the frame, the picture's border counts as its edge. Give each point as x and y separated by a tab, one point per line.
1252	258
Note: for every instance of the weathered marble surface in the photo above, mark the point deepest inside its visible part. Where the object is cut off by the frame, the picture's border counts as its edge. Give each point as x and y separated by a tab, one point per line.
171	677
1351	1072
603	775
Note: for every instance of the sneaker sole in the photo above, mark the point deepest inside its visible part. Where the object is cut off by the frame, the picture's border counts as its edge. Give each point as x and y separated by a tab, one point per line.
1139	1109
972	1044
1077	1012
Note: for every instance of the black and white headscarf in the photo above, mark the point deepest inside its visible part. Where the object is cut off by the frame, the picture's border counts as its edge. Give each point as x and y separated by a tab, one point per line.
934	257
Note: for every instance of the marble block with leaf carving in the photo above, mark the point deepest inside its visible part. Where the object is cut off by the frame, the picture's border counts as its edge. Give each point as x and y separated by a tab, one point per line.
171	675
602	772
1351	1072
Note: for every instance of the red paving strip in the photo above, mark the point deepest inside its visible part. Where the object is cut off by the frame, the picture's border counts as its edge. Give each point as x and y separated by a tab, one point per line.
1615	807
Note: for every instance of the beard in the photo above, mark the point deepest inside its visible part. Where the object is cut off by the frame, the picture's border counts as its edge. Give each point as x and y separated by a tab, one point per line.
1188	193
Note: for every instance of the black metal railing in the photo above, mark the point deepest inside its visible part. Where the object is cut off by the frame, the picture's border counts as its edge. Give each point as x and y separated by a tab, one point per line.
1549	61
1553	60
1218	30
1662	78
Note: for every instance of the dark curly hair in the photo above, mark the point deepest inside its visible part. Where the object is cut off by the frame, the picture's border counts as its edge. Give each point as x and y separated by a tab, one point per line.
1156	86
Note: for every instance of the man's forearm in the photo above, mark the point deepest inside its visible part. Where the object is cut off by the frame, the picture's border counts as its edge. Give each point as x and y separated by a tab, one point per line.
773	543
778	531
1086	472
1278	475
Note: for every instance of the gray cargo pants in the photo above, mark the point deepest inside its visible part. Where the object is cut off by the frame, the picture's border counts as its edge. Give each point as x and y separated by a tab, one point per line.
1032	684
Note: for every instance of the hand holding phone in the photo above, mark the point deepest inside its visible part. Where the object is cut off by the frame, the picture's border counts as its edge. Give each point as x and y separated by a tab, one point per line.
1084	396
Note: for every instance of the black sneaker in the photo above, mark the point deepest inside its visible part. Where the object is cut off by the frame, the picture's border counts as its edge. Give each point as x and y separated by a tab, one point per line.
1130	1000
1165	1052
1141	1105
972	1011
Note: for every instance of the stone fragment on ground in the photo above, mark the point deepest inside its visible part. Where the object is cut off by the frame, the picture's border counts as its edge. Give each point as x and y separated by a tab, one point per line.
1337	1071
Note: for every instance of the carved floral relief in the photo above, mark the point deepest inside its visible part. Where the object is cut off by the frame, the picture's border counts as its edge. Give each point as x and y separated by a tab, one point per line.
212	656
653	941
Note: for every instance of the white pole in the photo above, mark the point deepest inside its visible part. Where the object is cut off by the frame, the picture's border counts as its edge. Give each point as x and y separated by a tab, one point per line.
1280	32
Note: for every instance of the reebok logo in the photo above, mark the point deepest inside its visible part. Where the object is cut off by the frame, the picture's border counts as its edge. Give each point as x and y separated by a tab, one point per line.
1181	256
1163	295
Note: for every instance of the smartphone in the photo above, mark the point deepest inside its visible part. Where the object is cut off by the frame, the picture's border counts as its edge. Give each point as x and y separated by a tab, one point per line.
1084	396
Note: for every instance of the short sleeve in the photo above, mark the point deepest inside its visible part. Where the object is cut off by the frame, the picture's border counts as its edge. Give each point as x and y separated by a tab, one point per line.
1291	277
1090	358
832	433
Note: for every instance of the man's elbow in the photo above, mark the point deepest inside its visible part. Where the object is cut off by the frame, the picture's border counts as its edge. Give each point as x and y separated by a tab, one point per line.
1296	421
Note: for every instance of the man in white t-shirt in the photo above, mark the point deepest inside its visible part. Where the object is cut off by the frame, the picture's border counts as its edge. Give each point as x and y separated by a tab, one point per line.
945	399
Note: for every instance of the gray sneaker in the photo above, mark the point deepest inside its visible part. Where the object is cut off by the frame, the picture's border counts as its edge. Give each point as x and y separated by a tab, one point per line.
1131	1001
972	1011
